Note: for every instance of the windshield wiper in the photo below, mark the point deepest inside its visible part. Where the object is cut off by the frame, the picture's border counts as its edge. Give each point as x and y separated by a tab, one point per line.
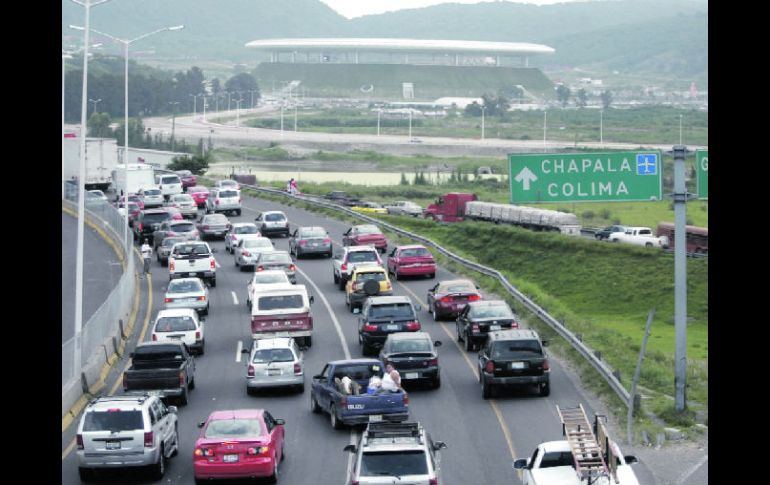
388	474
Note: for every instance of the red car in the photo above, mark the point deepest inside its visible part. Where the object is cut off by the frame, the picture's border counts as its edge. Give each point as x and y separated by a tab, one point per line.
365	235
175	213
132	198
199	194
414	260
449	298
133	211
187	178
243	443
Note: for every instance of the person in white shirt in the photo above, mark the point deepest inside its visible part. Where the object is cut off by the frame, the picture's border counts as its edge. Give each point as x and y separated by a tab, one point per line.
147	255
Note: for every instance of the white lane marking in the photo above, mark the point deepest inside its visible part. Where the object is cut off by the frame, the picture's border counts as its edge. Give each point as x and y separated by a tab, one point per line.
692	470
238	349
235	298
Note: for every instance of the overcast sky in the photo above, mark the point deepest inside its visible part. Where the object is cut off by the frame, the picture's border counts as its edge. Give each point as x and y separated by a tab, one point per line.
357	8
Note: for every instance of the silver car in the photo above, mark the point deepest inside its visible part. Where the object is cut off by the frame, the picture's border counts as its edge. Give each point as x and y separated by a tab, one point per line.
274	362
186	205
151	196
272	222
236	232
249	248
187	293
164	249
277	260
265	280
310	240
224	200
213	225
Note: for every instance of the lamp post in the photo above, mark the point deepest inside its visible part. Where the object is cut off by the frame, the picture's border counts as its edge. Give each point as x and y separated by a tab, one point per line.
410	124
378	121
195	105
96	102
680	129
203	95
601	126
295	117
483	111
282	119
173	123
545	127
238	112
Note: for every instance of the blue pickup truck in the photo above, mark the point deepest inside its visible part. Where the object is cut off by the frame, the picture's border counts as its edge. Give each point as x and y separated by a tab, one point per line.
353	408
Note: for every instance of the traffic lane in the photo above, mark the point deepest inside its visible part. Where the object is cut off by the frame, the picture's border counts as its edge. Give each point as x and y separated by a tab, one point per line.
101	272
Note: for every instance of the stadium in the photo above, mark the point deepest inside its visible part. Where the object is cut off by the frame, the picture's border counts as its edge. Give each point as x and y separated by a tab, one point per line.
399	69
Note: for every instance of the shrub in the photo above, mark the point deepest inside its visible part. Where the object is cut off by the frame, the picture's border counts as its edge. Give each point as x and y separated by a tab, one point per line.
588	214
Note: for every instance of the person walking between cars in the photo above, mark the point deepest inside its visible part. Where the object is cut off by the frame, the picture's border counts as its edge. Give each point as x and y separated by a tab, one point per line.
147	255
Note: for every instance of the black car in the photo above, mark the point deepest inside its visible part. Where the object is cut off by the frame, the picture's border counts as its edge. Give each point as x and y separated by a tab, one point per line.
605	233
514	358
384	315
478	318
164	248
414	356
147	222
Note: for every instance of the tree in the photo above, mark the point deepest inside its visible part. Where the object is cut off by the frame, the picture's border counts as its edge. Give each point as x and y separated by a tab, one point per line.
216	87
562	94
404	180
136	135
582	98
99	125
606	98
196	164
243	83
473	109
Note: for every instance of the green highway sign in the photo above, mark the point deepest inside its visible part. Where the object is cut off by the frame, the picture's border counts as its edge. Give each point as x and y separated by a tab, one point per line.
702	169
578	177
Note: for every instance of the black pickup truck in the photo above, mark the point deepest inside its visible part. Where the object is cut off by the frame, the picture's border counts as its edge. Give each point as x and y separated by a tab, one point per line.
166	369
341	198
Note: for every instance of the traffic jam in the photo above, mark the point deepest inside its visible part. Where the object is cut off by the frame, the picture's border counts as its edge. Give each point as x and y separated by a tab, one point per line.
285	346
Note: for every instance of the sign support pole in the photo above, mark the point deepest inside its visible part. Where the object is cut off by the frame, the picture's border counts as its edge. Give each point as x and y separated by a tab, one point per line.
680	279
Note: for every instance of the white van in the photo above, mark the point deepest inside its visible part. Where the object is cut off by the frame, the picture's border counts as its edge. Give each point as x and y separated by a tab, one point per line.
283	312
169	184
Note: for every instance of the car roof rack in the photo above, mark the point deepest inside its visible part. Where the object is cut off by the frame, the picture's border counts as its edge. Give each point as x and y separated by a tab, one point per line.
129	396
393	430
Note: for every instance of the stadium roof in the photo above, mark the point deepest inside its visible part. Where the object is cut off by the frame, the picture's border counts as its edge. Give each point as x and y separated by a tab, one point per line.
413	45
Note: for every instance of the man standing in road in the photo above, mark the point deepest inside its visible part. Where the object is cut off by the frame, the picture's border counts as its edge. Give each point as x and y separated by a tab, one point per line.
147	255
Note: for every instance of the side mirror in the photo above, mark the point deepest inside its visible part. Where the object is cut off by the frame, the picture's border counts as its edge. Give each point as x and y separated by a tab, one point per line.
311	299
630	459
245	351
172	409
200	425
356	311
545	343
279	421
351	448
418	307
214	250
439	445
319	377
437	343
520	464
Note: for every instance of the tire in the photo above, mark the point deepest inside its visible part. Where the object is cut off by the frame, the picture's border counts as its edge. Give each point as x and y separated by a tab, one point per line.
469	345
545	389
213	282
283	452
433	312
159	469
203	346
274	477
486	389
459	335
183	397
336	424
437	382
309	341
648	245
329	254
86	474
300	388
250	391
314	407
395	274
432	276
176	441
205	311
164	263
238	212
336	278
200	481
342	284
366	350
192	382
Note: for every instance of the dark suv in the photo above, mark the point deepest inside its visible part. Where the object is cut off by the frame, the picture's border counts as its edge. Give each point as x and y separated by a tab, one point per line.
514	358
414	356
383	315
605	233
478	318
149	221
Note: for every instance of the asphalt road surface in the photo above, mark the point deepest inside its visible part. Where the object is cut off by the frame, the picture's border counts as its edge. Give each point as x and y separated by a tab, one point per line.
483	437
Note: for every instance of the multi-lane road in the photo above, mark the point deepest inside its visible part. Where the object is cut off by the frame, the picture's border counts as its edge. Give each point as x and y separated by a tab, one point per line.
483	437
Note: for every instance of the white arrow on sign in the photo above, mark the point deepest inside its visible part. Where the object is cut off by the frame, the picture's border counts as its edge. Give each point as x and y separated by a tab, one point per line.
526	176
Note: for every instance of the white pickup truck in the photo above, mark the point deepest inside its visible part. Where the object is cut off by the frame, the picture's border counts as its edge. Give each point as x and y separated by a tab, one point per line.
641	236
193	258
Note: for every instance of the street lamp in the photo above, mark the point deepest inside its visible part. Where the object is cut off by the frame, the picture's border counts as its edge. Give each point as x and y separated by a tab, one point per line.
282	119
410	124
680	129
545	127
379	110
295	117
483	110
173	123
95	101
601	126
203	95
195	105
238	112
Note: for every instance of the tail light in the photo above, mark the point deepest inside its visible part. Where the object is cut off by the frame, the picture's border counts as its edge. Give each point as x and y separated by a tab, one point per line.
257	450
233	237
197	335
327	241
474	298
297	369
302	242
344	402
204	452
490	367
141	227
149	439
433	481
514	324
250	371
358	285
213	263
168	300
181	379
171	265
216	201
260	268
406	399
154	338
171	233
433	362
475	328
344	267
370	328
205	227
446	299
292	267
546	365
355	482
388	285
79	440
201	298
412	325
246	253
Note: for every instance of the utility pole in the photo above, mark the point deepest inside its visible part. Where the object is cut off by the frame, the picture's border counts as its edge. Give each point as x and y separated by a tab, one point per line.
680	196
173	123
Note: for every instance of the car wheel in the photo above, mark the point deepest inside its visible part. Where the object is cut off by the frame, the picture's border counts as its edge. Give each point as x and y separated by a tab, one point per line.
159	469
486	390
183	397
431	276
342	284
469	345
300	388
433	312
283	453
336	278
86	474
329	254
203	345
395	274
437	382
164	263
274	477
314	407
205	310
545	389
250	391
213	282
238	212
336	424
192	382
459	334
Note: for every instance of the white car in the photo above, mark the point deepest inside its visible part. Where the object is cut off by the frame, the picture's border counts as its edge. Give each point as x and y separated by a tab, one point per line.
169	184
180	324
151	196
237	231
98	195
266	280
228	184
248	249
224	200
272	222
275	362
187	293
186	205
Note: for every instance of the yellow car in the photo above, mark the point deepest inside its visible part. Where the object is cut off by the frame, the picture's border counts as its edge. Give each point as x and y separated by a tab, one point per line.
359	288
369	208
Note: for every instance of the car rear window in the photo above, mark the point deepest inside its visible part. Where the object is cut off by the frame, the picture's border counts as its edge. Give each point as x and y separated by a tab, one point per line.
416	345
233	428
415	252
192	248
314	232
270	278
215	219
228	193
375	275
246	230
155	218
184	286
170	241
369	230
174	324
275	217
487	311
170	179
394	463
113	421
257	243
275	258
184	227
198	189
152	192
183	198
272	355
515	348
278	302
362	257
391	310
457	288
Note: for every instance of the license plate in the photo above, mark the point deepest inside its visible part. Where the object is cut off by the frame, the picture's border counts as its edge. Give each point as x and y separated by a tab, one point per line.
375	418
492	328
191	300
392	327
175	337
230	458
517	365
113	445
314	244
273	372
412	375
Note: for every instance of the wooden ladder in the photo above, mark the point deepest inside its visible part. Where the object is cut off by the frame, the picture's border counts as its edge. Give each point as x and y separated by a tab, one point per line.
589	460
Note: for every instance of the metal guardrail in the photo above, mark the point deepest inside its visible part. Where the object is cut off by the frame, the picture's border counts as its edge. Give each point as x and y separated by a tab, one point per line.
604	370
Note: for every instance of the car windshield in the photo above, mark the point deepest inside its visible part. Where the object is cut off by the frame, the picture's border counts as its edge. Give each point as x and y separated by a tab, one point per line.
170	241
394	463
170	179
261	278
192	248
457	288
183	227
362	257
183	198
113	420
515	348
312	232
391	310
490	311
375	275
557	458
275	258
233	428
174	324
245	230
272	355
257	243
228	193
415	345
275	217
228	183
184	286
215	219
369	230
154	218
414	252
278	302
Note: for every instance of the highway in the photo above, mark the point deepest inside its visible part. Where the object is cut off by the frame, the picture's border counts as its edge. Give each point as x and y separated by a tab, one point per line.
483	437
